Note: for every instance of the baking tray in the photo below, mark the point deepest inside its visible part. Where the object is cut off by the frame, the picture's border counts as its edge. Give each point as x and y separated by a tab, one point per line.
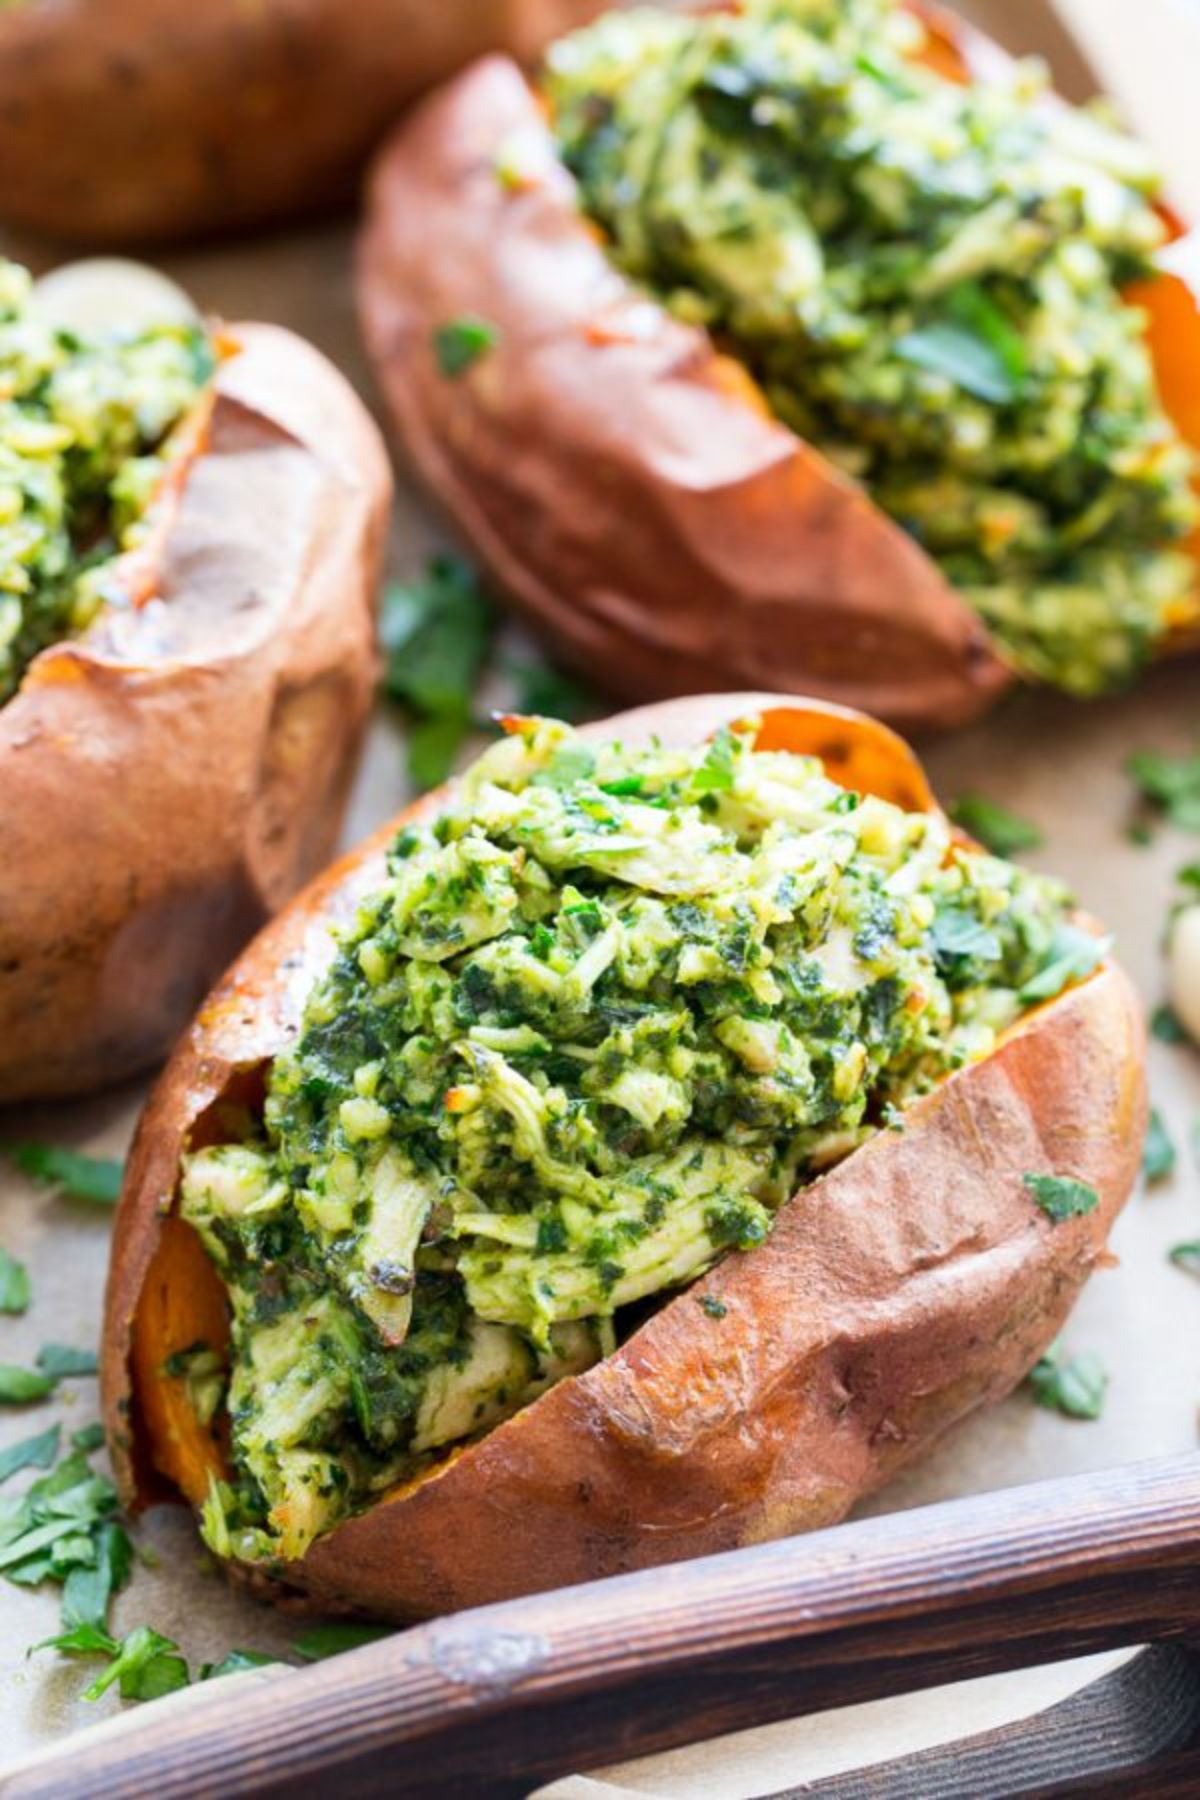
955	1572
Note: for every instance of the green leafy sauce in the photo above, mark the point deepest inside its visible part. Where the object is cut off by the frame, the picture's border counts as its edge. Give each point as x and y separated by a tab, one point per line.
86	433
925	279
610	1009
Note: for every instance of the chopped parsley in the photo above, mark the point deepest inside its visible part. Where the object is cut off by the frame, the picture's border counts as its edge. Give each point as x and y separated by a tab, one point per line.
14	1284
1158	1153
70	1172
461	342
1062	1197
1073	1385
1002	832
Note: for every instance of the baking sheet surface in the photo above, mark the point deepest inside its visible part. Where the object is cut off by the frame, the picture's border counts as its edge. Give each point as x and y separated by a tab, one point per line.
1057	763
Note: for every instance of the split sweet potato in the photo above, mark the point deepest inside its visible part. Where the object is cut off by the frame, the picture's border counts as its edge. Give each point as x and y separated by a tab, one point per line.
172	776
911	1283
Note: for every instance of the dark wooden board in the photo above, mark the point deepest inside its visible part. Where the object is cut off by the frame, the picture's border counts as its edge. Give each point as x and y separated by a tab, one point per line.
490	1703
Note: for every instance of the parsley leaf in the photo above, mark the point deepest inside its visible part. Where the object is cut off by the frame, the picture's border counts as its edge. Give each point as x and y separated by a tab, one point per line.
18	1387
235	1662
549	693
81	1177
972	345
1186	1256
145	1664
1165	1025
31	1453
955	934
61	1360
435	634
14	1284
320	1641
1061	1196
1158	1153
1002	832
461	342
1170	783
1075	1387
1074	953
715	774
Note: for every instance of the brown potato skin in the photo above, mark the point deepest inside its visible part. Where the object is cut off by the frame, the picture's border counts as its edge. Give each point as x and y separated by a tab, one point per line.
124	120
913	1282
171	777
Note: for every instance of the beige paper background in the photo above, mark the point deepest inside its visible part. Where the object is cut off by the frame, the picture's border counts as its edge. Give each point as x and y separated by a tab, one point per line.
1060	764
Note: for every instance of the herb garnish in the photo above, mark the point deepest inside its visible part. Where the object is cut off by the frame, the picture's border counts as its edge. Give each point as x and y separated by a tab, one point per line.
1062	1196
1186	1256
1074	953
70	1171
461	342
1171	784
320	1641
1158	1154
1165	1025
435	633
18	1387
14	1284
31	1453
1002	832
1075	1386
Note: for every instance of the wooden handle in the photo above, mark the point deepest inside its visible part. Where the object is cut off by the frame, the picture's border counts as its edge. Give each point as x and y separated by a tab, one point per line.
493	1701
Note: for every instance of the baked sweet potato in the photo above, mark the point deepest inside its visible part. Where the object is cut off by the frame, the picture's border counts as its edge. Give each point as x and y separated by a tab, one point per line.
124	120
621	475
912	1282
172	775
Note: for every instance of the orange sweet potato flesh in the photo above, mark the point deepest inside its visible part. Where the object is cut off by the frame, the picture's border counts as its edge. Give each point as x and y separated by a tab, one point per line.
912	1283
124	120
622	480
171	777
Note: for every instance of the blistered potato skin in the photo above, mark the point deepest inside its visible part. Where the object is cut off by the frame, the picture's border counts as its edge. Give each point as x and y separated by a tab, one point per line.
910	1284
622	481
173	776
146	120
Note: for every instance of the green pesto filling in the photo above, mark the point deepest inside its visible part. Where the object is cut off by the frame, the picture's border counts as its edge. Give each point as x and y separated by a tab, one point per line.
85	436
925	279
609	1010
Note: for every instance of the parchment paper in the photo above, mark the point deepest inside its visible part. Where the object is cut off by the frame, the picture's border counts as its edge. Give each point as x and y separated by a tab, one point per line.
1058	763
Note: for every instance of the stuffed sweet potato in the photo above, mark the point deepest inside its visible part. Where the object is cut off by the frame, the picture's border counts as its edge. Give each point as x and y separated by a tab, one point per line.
126	120
191	526
752	348
679	1130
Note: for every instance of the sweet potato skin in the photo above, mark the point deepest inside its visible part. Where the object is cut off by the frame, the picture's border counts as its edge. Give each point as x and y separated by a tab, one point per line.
621	480
913	1282
141	120
171	777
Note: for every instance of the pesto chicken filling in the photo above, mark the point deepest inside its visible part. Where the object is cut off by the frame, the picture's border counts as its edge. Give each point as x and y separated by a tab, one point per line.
608	1011
925	278
87	429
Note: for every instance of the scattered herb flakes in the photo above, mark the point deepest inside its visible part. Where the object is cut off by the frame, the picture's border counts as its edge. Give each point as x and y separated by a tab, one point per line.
60	1361
31	1453
1158	1152
435	633
235	1663
1074	954
320	1641
1139	834
88	1437
716	1309
144	1664
1189	875
19	1387
1165	1025
63	1528
1169	783
1075	1386
88	1589
1186	1256
14	1284
1002	832
1061	1196
81	1177
461	342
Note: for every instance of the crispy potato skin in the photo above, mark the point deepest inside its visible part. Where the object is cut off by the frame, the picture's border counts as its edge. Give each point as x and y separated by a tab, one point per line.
126	120
171	777
915	1281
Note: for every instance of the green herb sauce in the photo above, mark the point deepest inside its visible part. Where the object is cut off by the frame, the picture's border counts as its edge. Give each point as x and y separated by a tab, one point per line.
609	1010
85	436
925	279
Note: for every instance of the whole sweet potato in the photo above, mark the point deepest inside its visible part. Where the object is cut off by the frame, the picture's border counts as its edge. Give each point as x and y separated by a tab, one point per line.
172	776
126	120
618	473
912	1283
